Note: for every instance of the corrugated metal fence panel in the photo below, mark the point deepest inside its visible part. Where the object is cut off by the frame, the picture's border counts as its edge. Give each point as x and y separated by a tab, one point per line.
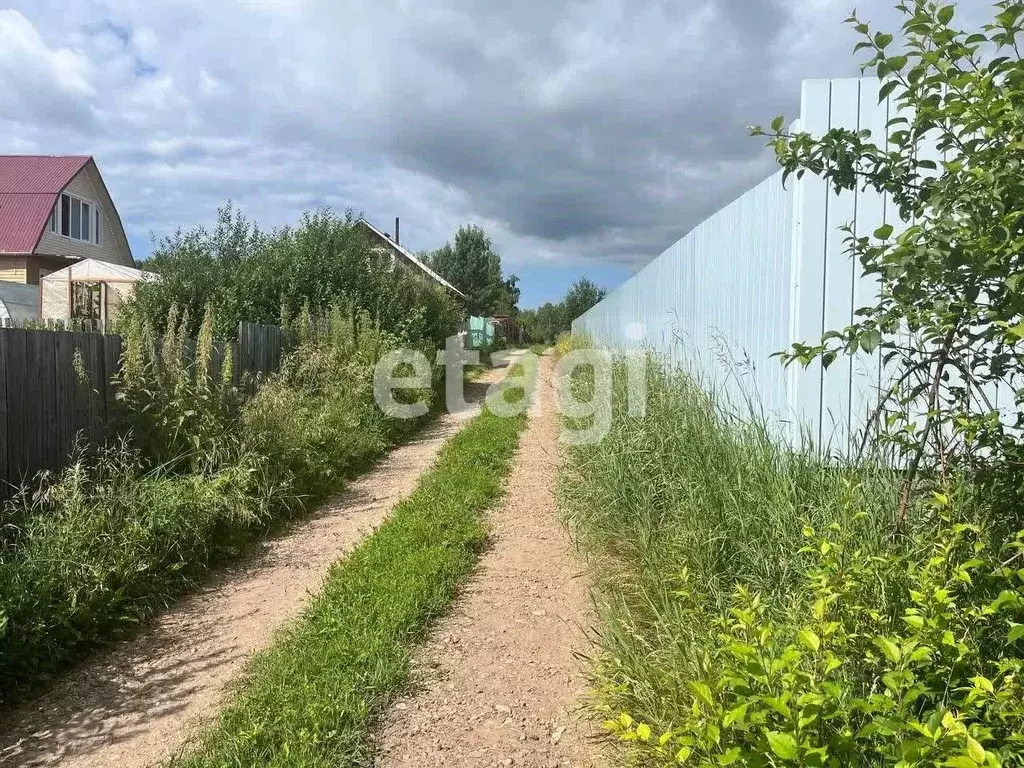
694	303
767	270
872	212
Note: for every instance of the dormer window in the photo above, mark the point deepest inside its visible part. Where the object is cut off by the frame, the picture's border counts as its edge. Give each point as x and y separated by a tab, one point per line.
76	218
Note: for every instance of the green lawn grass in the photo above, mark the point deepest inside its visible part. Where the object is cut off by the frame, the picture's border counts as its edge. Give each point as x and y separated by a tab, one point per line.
312	697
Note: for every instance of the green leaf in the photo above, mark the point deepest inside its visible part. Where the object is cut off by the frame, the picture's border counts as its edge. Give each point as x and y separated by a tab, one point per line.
730	757
783	745
983	683
869	340
809	639
946	14
883	232
889	649
643	732
914	621
961	762
886	89
683	754
702	692
1016	633
777	123
779	705
737	715
975	751
896	63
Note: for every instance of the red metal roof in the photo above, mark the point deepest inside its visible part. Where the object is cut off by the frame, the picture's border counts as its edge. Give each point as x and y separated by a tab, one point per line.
29	185
38	174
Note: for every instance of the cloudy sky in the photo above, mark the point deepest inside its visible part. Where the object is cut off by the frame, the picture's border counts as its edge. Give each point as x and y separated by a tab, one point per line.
585	135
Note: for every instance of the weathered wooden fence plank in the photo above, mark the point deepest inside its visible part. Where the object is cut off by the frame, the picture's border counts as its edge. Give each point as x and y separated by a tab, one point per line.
17	412
64	391
4	370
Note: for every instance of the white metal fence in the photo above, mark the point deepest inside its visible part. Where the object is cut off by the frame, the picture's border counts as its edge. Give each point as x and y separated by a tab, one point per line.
765	271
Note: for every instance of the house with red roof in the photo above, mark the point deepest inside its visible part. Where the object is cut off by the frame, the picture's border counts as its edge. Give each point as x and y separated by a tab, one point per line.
54	212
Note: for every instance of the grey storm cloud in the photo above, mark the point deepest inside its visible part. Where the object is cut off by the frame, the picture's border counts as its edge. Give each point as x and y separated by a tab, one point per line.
584	129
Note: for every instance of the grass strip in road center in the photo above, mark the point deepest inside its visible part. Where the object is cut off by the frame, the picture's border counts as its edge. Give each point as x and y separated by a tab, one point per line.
312	697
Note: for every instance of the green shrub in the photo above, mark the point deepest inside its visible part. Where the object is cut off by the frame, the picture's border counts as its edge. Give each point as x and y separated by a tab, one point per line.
733	633
926	675
256	276
105	543
317	417
177	414
570	342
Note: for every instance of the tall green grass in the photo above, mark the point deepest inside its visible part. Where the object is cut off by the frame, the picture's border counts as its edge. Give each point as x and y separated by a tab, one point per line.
695	493
92	551
99	549
761	606
311	699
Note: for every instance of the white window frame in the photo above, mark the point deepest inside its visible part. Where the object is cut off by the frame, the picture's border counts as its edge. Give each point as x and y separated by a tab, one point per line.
56	220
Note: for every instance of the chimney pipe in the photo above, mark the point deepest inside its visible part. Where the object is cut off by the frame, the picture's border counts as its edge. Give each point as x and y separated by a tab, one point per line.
397	240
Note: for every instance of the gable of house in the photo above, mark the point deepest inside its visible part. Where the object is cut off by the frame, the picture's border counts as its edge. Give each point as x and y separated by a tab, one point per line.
42	202
87	188
407	259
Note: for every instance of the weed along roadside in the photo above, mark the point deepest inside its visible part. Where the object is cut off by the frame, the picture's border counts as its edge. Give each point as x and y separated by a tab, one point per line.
126	529
311	698
756	608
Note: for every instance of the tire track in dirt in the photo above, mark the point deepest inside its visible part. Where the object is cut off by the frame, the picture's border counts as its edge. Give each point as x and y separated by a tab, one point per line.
498	684
135	704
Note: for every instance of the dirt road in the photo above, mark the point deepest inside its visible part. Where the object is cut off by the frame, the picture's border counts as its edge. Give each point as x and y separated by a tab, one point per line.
134	706
498	684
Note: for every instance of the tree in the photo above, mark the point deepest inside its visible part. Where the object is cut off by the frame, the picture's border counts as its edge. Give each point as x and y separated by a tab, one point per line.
948	320
472	266
544	324
323	261
583	295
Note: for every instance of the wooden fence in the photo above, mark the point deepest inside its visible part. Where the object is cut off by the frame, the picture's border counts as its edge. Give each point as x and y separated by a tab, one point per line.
45	406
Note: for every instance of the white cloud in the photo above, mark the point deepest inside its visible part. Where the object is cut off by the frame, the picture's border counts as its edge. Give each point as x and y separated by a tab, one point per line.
572	130
40	83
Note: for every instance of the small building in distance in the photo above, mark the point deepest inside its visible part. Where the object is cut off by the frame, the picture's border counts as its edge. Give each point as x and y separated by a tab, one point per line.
404	258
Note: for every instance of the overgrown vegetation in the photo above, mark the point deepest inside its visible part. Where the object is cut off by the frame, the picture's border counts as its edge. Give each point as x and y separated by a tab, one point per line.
256	276
766	606
311	698
757	609
203	467
123	530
